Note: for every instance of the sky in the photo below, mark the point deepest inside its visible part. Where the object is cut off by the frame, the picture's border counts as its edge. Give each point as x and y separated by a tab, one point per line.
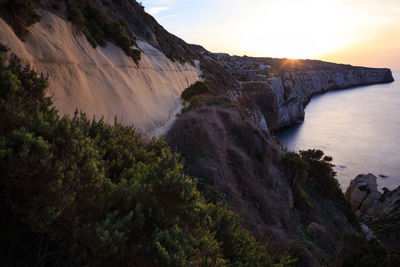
357	32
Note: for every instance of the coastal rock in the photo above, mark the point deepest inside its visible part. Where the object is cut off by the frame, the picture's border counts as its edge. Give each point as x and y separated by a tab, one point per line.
378	212
363	193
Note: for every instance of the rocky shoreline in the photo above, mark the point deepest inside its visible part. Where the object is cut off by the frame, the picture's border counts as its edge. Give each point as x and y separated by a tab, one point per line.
380	212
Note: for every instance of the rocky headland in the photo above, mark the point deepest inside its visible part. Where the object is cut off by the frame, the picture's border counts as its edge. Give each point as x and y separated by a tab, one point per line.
279	89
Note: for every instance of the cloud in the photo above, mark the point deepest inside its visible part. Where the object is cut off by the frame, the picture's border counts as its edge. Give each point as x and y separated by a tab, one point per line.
156	10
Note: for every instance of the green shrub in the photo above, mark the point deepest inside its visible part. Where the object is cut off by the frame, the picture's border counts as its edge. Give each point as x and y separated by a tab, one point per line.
198	88
99	29
322	178
81	192
296	165
356	251
322	173
20	14
199	101
302	200
75	14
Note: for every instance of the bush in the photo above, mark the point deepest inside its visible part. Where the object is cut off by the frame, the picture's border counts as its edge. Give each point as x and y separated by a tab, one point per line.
321	172
99	29
199	101
356	251
80	192
296	165
198	88
322	178
20	14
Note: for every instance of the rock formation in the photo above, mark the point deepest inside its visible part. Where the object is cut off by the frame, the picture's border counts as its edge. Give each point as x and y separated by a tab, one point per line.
380	212
363	193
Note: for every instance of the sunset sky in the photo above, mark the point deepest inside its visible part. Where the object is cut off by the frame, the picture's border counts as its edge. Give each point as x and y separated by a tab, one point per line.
358	32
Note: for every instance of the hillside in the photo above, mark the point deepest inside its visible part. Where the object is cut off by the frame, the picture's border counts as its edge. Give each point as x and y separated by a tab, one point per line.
219	191
102	81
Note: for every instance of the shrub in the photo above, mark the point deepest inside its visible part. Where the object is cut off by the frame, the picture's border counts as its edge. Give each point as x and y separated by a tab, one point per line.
198	88
99	29
81	192
322	178
199	101
358	252
302	200
296	165
321	172
20	14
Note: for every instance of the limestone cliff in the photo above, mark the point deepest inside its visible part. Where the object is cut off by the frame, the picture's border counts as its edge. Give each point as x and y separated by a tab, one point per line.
293	90
280	88
102	81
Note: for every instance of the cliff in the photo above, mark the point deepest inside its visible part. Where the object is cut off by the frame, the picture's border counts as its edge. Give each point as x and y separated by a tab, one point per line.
102	81
279	89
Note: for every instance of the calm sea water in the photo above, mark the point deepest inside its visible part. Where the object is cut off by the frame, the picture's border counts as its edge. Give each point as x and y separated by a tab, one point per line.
358	127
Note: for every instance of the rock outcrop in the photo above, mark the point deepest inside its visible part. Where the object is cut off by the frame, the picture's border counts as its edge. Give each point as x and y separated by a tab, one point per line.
363	193
379	211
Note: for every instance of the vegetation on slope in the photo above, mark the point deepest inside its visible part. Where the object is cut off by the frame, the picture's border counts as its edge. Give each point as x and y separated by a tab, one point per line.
198	88
356	251
99	29
20	14
317	177
80	192
319	186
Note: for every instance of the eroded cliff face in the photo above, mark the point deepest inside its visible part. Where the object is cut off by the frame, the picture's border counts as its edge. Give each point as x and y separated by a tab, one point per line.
102	81
280	88
288	94
293	90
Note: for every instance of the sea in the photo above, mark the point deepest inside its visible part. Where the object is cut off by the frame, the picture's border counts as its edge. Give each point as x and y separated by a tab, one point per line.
358	127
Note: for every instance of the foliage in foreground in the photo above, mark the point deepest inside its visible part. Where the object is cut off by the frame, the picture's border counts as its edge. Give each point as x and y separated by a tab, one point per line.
76	191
